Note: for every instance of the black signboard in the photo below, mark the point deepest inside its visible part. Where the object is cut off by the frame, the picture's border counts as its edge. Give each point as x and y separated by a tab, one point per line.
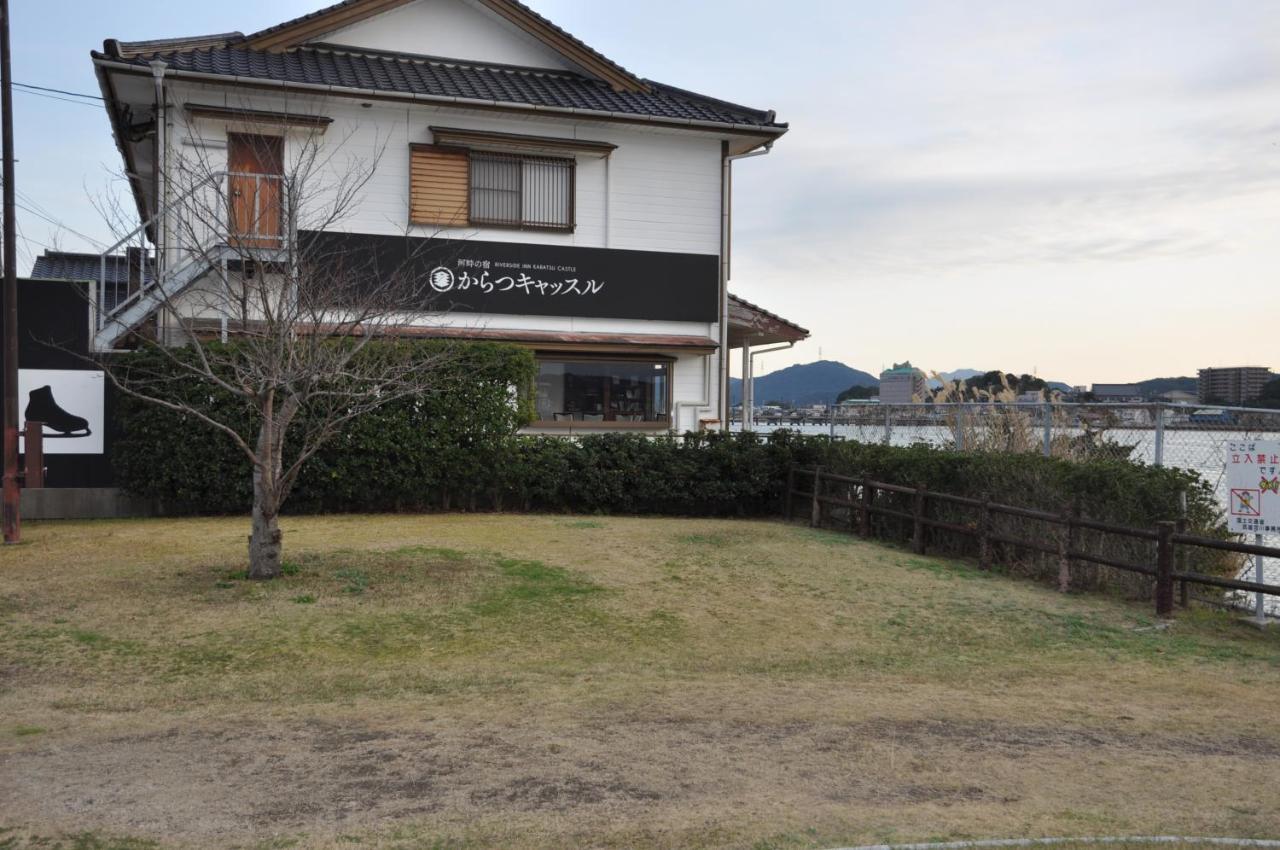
59	386
535	280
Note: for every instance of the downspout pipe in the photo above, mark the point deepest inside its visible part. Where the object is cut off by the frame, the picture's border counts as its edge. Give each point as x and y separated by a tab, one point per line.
158	67
749	388
726	241
161	234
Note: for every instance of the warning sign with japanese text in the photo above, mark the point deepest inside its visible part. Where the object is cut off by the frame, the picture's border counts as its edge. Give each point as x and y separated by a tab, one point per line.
1253	479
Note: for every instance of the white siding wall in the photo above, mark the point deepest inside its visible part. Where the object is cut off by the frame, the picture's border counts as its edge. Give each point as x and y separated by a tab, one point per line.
659	191
452	29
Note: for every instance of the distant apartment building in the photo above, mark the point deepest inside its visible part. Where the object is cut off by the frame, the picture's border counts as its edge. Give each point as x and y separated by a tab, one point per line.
902	384
1232	385
1117	392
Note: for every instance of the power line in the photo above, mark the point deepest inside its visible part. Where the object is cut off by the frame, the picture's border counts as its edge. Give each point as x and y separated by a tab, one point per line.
31	205
58	91
55	97
58	224
30	252
27	199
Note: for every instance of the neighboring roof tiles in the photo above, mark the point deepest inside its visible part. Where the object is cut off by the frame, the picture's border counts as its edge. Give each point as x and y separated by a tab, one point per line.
65	265
404	74
752	322
551	339
130	49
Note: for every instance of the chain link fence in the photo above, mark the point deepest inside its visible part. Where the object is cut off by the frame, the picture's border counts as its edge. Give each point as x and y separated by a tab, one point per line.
1179	436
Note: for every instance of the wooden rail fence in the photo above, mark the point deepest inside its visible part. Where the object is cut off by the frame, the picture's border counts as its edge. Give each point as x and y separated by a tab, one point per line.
1167	536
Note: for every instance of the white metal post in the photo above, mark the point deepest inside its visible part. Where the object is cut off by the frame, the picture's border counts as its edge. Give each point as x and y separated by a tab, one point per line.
1048	429
1159	422
747	401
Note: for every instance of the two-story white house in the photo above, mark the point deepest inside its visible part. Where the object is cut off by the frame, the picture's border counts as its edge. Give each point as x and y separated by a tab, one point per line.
568	204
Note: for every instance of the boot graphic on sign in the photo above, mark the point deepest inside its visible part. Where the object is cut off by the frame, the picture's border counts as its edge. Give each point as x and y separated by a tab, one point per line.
42	408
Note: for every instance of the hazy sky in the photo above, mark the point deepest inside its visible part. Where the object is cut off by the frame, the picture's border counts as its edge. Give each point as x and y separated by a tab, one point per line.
1087	189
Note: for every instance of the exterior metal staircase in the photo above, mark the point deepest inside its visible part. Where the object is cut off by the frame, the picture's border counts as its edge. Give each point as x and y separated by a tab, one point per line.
155	277
116	320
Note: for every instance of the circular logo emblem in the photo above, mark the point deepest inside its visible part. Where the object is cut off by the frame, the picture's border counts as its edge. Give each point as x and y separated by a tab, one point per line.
441	279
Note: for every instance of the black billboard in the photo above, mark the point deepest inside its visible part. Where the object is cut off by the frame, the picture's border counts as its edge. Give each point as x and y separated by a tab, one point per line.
534	280
59	386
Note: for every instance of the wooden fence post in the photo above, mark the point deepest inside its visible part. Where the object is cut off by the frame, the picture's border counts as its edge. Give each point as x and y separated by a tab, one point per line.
853	511
33	455
864	509
1164	569
917	521
984	534
787	507
1180	561
1066	542
815	517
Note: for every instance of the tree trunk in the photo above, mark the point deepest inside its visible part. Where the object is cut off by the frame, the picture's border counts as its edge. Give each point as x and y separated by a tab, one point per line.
265	542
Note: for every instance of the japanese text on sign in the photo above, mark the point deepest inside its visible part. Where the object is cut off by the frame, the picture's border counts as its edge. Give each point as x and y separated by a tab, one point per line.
1253	483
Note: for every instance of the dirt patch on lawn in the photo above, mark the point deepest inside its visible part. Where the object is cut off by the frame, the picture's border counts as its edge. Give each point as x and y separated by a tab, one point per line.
250	780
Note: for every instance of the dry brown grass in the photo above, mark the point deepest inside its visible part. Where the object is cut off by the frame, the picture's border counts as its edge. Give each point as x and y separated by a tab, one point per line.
498	681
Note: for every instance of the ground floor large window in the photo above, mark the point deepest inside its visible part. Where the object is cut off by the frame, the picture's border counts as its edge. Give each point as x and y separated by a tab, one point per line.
574	389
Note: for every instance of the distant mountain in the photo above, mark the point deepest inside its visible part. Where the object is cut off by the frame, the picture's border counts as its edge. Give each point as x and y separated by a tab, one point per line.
963	374
809	383
966	374
1156	386
957	375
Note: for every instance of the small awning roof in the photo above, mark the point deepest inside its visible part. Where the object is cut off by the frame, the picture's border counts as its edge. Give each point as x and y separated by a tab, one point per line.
751	324
569	339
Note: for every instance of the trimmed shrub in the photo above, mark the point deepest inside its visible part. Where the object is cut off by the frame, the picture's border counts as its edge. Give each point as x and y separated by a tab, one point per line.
458	449
439	450
1113	491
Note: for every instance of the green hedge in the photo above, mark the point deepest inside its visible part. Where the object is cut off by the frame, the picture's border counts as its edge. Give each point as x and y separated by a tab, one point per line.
1115	491
438	450
458	448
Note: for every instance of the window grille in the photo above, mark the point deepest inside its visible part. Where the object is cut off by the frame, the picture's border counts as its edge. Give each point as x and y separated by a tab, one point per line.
522	191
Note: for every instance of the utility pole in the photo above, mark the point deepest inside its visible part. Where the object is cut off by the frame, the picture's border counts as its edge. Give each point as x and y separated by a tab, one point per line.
12	529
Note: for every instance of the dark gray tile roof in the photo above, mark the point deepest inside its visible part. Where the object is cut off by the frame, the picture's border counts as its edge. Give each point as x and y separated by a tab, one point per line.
66	265
757	308
422	75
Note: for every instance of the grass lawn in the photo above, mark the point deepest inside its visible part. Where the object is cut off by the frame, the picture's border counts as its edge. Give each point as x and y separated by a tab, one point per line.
551	682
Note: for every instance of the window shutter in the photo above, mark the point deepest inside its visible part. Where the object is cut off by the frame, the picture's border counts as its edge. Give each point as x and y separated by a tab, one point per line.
439	185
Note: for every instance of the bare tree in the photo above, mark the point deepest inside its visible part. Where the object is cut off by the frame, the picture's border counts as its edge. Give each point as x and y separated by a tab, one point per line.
278	313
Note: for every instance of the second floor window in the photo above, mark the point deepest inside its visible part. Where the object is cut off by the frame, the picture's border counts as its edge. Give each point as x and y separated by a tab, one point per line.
458	187
521	191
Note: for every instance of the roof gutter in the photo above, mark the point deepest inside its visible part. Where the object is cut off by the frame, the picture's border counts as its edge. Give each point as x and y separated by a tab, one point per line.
445	100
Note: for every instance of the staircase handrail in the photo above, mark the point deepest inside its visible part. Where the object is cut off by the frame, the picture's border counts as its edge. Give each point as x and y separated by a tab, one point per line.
164	210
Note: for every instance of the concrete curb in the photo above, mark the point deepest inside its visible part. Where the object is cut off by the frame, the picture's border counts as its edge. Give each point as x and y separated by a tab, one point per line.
1049	842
